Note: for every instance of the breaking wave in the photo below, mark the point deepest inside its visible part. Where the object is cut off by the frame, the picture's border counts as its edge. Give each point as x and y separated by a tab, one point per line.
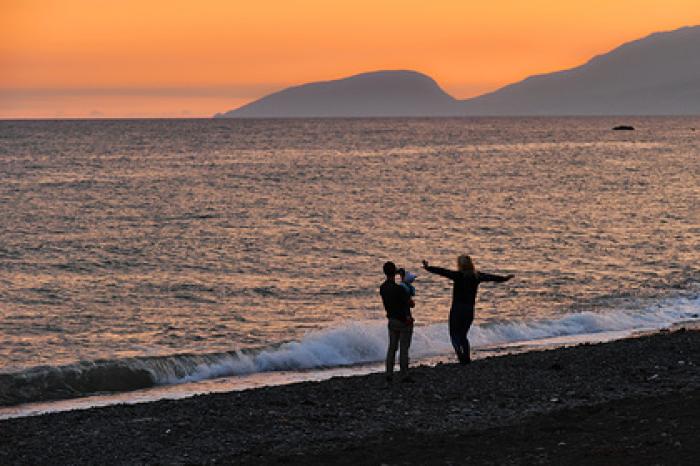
353	343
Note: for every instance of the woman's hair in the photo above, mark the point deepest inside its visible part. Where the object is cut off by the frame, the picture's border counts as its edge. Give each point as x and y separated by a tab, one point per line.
465	264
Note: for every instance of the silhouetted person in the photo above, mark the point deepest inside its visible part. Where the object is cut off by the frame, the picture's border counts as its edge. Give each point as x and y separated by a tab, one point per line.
397	304
465	283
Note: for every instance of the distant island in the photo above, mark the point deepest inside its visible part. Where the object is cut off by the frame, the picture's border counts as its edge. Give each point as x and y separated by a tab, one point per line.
656	75
376	94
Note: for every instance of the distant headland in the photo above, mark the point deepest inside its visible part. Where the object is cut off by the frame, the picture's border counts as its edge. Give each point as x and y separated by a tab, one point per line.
656	75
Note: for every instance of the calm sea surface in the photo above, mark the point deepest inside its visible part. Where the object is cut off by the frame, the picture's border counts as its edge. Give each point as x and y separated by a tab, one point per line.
125	239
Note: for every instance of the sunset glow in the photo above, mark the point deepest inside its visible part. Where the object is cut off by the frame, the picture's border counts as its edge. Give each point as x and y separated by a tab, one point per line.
87	58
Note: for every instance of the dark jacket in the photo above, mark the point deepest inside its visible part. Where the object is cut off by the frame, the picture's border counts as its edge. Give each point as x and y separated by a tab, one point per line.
465	284
396	300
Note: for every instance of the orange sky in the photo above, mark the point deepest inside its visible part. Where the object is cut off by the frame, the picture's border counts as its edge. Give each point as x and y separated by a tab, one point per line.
157	58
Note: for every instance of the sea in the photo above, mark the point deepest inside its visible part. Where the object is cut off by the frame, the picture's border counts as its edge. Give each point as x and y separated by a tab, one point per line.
143	259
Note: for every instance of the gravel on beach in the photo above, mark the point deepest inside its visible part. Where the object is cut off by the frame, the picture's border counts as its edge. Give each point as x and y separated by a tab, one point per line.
630	401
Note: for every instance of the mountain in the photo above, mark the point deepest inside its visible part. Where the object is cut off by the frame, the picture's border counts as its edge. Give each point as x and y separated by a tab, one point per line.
376	94
656	75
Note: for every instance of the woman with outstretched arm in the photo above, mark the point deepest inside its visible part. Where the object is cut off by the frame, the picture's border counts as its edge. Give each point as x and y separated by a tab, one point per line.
465	280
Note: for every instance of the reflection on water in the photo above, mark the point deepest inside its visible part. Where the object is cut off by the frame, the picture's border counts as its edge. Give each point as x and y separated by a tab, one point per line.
147	238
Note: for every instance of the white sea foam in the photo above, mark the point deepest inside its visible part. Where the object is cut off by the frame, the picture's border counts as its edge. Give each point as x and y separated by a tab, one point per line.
365	342
342	346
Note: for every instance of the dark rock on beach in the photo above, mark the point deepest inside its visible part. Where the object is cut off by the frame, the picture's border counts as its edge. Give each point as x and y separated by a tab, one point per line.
634	401
623	128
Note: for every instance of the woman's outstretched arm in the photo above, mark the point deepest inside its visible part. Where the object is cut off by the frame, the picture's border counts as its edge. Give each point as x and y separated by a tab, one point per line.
451	274
491	277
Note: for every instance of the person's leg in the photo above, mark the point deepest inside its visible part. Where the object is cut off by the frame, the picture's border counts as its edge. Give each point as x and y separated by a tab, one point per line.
462	348
467	358
465	350
454	339
394	335
404	345
458	336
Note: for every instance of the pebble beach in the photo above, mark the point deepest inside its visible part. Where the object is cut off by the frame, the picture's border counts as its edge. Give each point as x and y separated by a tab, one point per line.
635	400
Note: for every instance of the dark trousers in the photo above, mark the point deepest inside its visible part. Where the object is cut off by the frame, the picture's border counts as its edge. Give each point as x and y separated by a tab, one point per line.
400	334
461	318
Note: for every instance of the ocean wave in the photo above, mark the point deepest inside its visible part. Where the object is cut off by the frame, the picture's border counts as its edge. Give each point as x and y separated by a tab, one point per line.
349	344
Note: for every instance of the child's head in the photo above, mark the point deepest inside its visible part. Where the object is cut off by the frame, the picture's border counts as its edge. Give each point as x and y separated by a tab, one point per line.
406	277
